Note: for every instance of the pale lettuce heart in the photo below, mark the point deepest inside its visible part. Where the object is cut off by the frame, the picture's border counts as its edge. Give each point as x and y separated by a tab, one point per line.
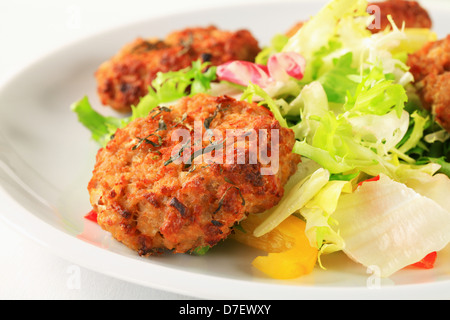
387	226
382	132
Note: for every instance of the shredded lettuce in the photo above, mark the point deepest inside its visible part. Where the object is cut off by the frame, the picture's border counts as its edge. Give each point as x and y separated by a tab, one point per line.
320	29
166	88
416	134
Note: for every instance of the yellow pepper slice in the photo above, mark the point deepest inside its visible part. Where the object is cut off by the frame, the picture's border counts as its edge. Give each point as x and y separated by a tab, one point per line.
295	262
274	241
290	254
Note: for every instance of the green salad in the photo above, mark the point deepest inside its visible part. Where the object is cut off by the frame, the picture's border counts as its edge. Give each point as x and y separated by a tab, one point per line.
374	179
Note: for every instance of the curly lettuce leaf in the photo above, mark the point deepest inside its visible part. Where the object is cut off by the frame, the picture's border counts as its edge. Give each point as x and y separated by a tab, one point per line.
321	28
377	94
254	90
101	127
349	136
171	86
320	60
337	81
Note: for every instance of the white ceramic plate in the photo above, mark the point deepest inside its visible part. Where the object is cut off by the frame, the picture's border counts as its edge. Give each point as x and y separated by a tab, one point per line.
46	158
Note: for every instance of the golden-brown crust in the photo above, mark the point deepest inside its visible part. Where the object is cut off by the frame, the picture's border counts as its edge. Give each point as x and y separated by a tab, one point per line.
153	204
430	67
433	58
125	78
411	13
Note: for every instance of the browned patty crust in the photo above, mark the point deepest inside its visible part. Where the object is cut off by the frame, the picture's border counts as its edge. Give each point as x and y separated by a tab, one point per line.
430	67
153	204
125	78
411	13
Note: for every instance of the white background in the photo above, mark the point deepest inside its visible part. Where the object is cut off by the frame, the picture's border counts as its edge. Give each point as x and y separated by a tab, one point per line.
28	30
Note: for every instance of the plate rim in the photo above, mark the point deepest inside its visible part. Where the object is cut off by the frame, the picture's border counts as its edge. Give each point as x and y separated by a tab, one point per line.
175	280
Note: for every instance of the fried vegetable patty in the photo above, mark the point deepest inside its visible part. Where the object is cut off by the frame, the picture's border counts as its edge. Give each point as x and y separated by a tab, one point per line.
125	78
153	202
407	12
430	67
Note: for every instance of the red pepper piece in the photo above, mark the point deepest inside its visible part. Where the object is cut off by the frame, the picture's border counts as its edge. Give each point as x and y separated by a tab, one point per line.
92	215
369	180
427	262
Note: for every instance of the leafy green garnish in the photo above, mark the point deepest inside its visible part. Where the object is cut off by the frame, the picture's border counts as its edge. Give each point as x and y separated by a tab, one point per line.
317	63
376	94
254	90
337	82
101	127
344	177
444	163
348	137
200	251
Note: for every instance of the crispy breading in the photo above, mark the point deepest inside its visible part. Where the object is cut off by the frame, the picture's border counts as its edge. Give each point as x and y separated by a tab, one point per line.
430	67
411	13
125	78
152	203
